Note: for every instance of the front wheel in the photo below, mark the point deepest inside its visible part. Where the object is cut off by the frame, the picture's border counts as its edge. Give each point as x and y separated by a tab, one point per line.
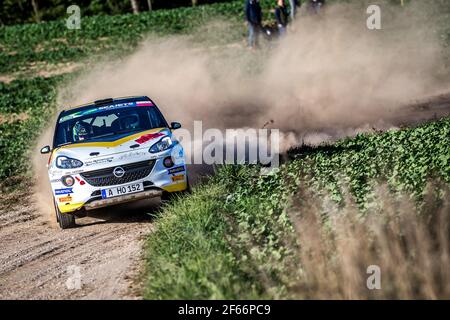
65	220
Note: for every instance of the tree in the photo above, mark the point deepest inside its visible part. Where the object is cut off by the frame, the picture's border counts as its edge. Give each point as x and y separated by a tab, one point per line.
135	6
37	15
149	2
194	2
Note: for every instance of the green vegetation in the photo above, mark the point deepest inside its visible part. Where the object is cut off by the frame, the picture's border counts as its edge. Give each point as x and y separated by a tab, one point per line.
192	251
25	107
242	222
24	45
406	158
21	11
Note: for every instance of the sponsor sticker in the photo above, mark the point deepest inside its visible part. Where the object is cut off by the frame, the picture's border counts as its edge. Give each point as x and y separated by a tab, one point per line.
117	105
148	137
178	177
98	161
96	109
82	183
144	104
131	155
56	173
65	199
176	169
74	172
77	114
59	192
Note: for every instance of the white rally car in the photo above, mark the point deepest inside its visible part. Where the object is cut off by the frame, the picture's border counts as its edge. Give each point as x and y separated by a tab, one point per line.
113	151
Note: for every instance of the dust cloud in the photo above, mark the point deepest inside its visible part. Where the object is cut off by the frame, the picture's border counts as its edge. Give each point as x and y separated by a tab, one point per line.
41	189
328	76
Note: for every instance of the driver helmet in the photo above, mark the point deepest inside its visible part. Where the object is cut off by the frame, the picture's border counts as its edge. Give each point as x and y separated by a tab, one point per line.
80	131
130	121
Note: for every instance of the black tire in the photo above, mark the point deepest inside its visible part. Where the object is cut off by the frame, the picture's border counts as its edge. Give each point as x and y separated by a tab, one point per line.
188	189
65	220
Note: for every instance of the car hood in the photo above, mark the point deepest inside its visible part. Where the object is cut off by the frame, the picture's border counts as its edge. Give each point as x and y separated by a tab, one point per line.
95	154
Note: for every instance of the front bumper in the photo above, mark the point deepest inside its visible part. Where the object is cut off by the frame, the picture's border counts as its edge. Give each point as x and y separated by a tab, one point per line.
86	193
101	203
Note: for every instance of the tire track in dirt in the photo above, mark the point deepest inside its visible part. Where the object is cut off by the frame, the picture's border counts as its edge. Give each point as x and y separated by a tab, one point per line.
36	257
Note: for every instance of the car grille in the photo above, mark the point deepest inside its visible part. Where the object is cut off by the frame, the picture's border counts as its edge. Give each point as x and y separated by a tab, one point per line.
105	177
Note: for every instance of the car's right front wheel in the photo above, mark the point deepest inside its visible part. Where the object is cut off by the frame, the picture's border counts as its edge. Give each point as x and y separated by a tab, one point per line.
65	220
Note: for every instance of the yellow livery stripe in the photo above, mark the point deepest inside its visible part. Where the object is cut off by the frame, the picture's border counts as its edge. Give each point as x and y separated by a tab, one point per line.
176	187
69	207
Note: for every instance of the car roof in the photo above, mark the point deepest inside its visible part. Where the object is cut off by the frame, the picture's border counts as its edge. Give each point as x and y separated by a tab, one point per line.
106	101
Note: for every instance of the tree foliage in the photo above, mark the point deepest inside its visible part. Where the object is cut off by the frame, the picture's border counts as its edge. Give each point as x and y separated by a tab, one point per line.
26	11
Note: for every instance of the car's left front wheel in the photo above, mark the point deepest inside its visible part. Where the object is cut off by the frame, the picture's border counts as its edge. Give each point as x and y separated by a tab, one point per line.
65	220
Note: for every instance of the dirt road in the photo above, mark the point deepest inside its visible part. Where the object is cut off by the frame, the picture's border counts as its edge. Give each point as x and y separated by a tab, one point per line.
40	261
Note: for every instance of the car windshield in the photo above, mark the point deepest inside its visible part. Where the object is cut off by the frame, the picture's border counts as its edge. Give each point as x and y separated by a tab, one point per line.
106	123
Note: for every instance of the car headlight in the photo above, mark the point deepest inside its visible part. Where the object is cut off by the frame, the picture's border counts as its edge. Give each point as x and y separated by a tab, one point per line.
163	144
63	162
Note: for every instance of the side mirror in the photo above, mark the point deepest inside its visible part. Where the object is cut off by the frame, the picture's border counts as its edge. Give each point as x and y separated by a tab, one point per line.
45	150
175	125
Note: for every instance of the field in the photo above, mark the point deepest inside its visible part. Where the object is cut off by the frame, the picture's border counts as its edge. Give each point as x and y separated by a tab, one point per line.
36	58
274	236
378	198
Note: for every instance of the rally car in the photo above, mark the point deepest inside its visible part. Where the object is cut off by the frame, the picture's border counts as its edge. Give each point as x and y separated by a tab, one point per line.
113	151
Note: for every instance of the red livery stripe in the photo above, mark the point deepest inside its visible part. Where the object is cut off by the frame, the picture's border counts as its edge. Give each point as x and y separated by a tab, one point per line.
148	137
144	104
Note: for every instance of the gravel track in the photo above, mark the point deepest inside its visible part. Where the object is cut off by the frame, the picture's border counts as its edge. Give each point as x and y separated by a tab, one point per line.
37	258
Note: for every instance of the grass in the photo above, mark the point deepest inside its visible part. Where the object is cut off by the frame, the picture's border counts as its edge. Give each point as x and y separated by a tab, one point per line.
409	246
311	229
192	246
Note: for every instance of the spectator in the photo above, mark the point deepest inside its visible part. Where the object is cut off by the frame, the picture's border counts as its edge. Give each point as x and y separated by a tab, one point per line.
293	4
253	16
281	16
316	5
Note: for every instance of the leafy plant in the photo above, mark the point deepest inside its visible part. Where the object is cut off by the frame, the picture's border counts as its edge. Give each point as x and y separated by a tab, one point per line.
34	99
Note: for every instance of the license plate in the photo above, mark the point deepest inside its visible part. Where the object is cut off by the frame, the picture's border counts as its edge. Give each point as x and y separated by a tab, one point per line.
122	190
